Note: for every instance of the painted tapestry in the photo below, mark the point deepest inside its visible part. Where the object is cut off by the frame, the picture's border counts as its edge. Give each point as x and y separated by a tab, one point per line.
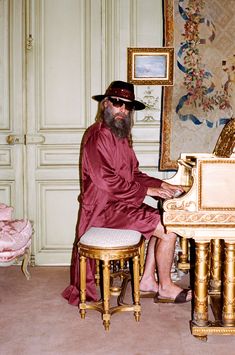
202	99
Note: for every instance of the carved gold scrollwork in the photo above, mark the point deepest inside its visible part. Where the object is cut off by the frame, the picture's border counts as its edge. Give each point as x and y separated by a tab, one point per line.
176	205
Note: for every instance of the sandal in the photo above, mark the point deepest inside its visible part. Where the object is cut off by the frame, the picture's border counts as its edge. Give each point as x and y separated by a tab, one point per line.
147	294
180	298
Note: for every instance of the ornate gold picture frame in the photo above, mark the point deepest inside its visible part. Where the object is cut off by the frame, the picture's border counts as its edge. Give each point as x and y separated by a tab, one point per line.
150	66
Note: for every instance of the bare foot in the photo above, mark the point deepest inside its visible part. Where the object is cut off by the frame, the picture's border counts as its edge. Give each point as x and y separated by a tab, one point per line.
148	285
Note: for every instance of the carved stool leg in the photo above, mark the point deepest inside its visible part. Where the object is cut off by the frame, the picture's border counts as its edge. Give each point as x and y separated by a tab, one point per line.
82	305
106	292
122	268
136	292
200	315
216	266
142	257
97	272
228	312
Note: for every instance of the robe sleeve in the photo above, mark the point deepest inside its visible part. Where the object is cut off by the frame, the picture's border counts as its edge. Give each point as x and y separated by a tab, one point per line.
143	178
100	155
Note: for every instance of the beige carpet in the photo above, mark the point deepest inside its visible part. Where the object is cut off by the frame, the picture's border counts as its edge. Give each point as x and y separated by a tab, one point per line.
35	319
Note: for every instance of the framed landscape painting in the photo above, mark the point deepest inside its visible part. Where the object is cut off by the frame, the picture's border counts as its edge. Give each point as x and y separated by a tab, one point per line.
150	66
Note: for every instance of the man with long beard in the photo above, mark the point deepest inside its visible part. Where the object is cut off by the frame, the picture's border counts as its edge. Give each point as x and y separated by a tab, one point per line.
113	190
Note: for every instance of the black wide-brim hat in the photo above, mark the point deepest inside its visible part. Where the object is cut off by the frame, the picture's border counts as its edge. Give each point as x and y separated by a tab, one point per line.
122	90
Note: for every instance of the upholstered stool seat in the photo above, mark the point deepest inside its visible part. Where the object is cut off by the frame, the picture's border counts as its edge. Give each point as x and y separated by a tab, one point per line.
105	245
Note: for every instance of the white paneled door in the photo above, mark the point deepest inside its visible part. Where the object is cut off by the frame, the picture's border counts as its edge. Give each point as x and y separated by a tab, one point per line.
42	118
55	123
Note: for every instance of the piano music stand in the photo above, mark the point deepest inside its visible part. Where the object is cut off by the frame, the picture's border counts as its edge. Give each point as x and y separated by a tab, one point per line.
225	145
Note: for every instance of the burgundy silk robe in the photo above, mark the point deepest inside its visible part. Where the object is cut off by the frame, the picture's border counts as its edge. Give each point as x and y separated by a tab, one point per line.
113	190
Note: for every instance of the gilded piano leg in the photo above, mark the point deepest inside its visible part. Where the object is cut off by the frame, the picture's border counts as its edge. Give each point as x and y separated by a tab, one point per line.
216	266
200	314
228	312
183	263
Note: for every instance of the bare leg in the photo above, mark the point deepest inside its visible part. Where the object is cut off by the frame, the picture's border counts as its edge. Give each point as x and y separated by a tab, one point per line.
148	281
160	253
164	257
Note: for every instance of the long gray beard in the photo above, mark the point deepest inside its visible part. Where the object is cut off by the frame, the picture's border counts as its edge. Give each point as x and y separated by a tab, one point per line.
121	127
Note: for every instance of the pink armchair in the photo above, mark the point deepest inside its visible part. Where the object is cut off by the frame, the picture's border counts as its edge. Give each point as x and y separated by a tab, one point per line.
15	239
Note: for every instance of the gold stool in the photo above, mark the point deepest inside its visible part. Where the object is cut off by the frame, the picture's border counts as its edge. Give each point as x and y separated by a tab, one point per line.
106	244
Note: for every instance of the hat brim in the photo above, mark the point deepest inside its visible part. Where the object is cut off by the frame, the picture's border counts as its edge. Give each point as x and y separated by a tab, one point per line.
138	105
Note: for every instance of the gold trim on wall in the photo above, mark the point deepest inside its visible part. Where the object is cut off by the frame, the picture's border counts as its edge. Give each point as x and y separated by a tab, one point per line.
165	161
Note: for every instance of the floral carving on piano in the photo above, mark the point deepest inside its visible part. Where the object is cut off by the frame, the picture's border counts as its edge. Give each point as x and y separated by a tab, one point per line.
199	217
180	205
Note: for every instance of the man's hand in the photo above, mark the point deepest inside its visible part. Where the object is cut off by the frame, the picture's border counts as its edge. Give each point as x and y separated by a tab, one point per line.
165	191
178	190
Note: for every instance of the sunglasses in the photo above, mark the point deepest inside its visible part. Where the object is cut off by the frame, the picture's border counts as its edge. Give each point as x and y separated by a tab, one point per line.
119	103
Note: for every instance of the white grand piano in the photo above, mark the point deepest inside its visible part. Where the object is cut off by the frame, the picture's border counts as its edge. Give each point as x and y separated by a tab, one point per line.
205	214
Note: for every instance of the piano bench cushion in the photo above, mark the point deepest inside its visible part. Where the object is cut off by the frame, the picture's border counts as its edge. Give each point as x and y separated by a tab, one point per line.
110	238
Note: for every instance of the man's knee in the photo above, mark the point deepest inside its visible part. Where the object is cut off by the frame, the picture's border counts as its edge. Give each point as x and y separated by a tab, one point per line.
171	237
